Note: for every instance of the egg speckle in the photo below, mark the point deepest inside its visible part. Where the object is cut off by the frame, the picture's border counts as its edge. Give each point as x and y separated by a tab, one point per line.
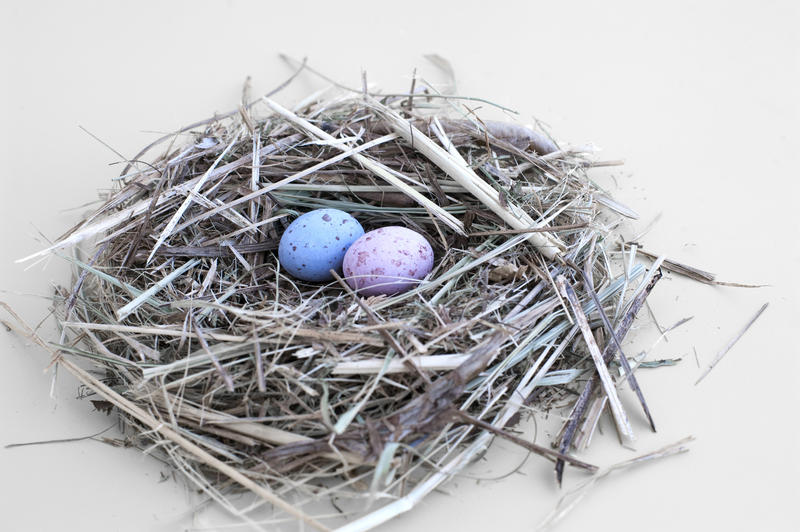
388	261
316	242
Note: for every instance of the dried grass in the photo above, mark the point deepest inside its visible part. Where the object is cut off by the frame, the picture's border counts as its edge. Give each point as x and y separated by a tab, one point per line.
244	377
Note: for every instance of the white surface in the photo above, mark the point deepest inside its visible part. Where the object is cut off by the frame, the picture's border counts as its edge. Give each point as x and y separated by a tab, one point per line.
700	99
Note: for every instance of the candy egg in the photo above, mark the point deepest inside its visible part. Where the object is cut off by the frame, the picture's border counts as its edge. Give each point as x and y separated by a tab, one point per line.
388	261
316	243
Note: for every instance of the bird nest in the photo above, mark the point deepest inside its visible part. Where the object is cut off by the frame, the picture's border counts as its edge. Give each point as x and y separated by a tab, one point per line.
245	378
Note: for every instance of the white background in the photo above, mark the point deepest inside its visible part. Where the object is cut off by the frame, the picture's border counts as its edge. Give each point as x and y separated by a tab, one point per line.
700	99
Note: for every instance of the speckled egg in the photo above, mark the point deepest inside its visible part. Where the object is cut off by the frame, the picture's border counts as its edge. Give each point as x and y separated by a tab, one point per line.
388	261
316	243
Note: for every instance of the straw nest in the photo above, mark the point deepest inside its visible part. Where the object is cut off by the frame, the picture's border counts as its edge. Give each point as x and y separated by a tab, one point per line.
244	377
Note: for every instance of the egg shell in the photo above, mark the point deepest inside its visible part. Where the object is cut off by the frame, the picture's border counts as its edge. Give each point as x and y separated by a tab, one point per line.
316	242
387	261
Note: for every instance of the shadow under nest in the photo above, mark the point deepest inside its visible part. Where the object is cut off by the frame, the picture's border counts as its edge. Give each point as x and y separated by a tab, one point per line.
181	304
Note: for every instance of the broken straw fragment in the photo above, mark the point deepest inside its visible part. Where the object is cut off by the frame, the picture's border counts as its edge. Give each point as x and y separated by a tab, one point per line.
731	343
131	307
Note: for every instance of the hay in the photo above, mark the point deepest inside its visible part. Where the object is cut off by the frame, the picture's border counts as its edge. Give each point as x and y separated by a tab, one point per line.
243	377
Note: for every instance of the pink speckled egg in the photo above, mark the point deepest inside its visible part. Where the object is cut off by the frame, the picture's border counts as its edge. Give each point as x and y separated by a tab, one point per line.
388	261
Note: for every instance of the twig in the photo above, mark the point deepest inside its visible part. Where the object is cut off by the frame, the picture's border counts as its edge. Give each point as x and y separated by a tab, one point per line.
538	449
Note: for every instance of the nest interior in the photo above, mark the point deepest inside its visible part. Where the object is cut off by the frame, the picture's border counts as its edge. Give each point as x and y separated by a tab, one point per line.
238	371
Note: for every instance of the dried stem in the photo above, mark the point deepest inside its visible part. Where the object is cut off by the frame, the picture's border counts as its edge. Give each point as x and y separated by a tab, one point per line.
244	378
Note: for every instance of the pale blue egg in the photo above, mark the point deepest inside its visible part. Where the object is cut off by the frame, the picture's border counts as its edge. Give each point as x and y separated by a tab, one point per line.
316	242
